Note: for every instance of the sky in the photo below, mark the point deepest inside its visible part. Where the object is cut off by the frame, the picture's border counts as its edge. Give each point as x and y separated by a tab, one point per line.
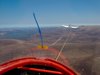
49	12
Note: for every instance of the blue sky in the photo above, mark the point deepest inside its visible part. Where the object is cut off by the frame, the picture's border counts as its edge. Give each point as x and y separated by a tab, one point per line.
49	12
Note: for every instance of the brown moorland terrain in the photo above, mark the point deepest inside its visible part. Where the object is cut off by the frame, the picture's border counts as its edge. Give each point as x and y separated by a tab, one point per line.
81	50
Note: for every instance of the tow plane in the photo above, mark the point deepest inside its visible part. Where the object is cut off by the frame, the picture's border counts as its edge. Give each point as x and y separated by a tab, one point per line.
70	26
